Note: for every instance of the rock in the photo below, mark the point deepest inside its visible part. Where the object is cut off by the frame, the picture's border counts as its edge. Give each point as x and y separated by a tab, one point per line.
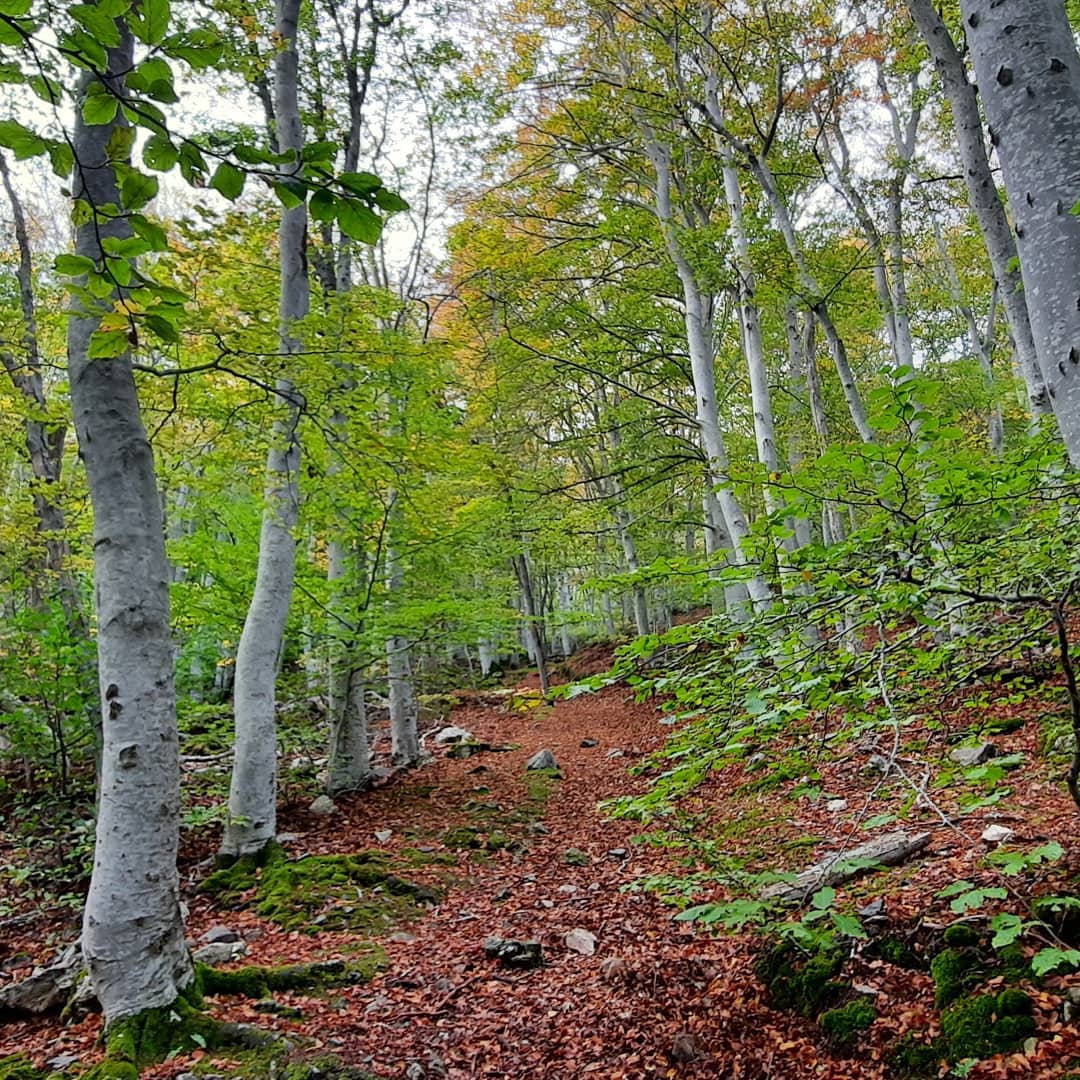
996	834
872	910
47	989
568	889
580	941
219	952
451	734
383	835
415	1071
323	806
614	753
614	969
542	759
879	764
1070	1005
685	1048
538	828
402	937
270	1007
1064	744
219	933
287	838
62	1061
514	954
16	960
973	755
618	854
503	894
836	806
575	857
588	744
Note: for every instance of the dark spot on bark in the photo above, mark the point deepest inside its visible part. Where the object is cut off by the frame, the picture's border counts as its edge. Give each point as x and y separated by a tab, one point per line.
1004	76
1029	91
112	691
1059	207
1074	355
1020	231
993	136
128	756
973	20
1056	66
115	709
1030	198
1010	28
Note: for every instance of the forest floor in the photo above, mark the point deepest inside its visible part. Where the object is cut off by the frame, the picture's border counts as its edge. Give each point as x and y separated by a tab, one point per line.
545	862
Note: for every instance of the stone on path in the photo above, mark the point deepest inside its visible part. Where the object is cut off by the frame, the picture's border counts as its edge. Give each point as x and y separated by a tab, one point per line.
514	954
219	933
581	941
219	952
323	806
452	734
542	759
588	744
996	834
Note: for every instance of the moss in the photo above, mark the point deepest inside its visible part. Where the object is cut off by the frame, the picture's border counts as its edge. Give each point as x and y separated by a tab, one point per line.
497	841
154	1034
988	1024
844	1024
325	1067
897	951
18	1067
1006	725
961	934
259	982
1061	914
802	982
954	972
416	857
110	1069
323	890
462	836
912	1059
1014	963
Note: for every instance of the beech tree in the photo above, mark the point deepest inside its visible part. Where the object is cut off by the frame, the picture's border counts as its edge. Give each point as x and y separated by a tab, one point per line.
1028	75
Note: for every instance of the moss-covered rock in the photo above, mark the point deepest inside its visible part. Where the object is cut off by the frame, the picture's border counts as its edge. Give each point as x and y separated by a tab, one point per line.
259	982
803	982
462	837
910	1059
954	972
843	1025
896	951
961	935
332	891
987	1024
1061	914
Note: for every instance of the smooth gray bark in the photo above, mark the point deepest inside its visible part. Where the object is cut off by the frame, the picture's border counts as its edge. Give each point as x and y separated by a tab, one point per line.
1028	74
983	194
252	820
133	932
404	707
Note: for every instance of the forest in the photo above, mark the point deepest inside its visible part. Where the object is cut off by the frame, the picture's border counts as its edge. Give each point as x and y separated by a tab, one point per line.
539	540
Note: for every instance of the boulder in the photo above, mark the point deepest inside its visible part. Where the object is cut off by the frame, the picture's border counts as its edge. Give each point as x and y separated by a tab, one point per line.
542	759
219	933
452	734
47	990
219	952
973	755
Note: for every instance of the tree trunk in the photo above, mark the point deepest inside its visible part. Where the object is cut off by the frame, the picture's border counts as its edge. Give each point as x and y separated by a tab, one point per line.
1028	74
533	640
404	708
252	820
983	195
133	932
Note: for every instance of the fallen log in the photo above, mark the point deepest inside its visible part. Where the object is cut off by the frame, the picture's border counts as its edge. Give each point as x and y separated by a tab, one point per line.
890	849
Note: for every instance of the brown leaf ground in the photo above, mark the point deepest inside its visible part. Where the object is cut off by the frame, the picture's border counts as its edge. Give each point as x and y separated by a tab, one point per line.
442	1001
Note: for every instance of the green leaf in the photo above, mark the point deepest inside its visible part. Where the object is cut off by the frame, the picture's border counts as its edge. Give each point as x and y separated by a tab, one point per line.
61	157
824	898
163	327
153	24
390	201
358	222
290	196
121	139
201	48
20	140
876	820
320	152
100	25
360	183
49	90
323	205
14	9
159	153
99	106
107	344
1048	960
150	231
73	265
252	155
1007	928
136	188
848	925
193	167
228	180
